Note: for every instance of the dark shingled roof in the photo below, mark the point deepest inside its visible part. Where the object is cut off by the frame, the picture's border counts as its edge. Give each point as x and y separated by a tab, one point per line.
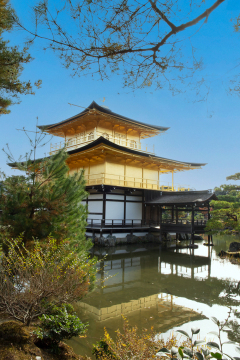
102	140
179	197
104	110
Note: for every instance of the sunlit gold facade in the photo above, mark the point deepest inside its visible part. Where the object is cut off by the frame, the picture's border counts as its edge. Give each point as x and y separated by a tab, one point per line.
108	148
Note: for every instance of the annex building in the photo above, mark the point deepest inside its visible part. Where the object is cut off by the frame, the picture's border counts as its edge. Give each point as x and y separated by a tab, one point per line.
123	178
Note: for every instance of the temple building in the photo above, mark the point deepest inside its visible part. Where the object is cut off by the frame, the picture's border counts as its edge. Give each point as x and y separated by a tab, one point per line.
122	176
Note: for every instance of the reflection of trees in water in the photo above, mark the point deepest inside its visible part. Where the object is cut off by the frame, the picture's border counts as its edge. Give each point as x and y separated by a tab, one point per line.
234	325
223	242
230	298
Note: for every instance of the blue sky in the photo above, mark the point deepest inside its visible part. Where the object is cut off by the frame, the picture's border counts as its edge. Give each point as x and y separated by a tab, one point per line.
205	132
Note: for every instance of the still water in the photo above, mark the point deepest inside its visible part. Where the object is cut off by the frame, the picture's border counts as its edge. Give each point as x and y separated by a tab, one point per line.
164	289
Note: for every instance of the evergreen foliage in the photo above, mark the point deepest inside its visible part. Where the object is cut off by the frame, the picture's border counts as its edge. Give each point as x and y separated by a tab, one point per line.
225	213
11	63
61	323
44	201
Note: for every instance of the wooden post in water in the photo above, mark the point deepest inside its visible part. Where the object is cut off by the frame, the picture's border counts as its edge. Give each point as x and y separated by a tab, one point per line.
192	234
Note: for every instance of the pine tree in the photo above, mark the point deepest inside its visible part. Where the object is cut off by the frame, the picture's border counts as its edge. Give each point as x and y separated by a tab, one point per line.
225	213
44	201
12	60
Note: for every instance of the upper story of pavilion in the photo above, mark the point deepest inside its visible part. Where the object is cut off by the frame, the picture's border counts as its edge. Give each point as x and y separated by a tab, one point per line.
97	121
107	146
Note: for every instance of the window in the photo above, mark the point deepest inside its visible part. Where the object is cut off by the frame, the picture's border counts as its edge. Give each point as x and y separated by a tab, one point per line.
90	136
106	136
133	144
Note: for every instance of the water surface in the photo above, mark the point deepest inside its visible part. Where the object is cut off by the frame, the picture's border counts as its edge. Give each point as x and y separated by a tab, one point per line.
164	289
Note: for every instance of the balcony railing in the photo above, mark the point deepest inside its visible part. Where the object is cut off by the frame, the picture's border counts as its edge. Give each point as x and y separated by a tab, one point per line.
139	223
81	140
134	182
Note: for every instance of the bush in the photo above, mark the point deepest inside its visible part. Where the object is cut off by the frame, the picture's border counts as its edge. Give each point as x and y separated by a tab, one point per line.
50	272
131	344
62	323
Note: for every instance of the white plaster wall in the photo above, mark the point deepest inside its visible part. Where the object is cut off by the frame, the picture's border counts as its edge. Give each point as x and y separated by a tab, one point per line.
134	211
95	196
114	210
95	206
136	198
95	217
115	197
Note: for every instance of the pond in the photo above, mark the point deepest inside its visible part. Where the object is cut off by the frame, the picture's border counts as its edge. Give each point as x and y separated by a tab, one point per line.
169	290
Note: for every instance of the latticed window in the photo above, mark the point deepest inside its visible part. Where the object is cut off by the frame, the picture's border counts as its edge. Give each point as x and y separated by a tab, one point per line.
106	136
91	136
133	144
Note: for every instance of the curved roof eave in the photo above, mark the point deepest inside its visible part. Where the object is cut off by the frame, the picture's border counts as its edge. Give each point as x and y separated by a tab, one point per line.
131	151
94	105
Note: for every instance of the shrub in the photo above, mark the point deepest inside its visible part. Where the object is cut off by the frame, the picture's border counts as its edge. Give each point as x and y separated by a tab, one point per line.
61	323
50	272
130	344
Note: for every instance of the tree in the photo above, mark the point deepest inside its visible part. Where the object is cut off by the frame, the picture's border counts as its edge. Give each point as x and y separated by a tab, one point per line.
225	213
32	282
141	40
44	201
12	60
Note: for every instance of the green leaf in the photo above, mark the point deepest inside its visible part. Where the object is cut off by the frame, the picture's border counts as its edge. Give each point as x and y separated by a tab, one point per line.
164	350
195	331
161	354
215	320
199	342
213	344
174	350
180	352
205	352
184	333
226	328
216	355
188	351
229	342
199	356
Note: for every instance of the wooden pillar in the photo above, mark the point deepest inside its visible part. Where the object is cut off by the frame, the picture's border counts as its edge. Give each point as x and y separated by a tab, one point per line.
124	215
192	235
172	212
172	180
104	206
125	173
160	215
176	215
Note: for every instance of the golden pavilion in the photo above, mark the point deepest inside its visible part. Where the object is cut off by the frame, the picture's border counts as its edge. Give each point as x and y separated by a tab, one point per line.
120	172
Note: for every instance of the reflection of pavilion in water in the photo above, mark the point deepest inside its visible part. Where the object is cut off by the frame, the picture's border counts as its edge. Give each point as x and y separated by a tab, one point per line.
161	308
143	284
133	280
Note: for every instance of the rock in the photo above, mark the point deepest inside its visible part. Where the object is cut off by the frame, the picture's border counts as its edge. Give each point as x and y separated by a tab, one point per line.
197	237
148	238
167	237
132	239
222	253
110	240
234	247
14	332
